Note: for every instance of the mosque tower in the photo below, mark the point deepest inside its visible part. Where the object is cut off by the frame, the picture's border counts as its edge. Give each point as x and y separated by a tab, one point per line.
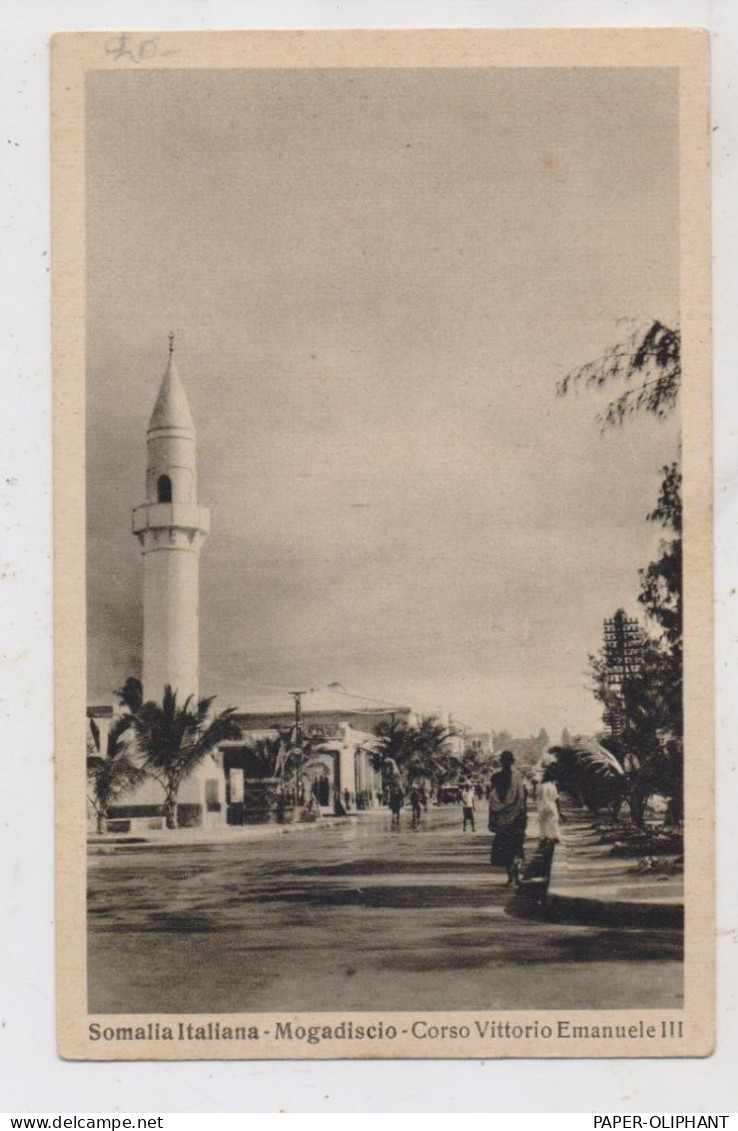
171	527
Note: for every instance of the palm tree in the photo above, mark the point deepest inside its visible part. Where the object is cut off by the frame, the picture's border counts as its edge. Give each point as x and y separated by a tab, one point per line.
173	740
112	774
263	758
431	757
418	751
391	745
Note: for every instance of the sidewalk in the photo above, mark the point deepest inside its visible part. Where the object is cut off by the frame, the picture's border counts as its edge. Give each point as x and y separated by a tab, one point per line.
588	882
220	834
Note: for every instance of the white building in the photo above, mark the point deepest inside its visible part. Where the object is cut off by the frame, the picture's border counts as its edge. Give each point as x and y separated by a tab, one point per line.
338	727
481	742
171	527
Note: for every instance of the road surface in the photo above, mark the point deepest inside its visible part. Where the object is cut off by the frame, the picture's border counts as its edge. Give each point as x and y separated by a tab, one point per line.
350	918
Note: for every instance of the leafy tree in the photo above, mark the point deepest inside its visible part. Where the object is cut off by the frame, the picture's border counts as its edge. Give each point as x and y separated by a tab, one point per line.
110	773
173	740
661	581
648	363
662	772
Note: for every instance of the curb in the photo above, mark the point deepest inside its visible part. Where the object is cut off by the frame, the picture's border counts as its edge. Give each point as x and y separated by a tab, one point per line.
613	912
243	835
562	906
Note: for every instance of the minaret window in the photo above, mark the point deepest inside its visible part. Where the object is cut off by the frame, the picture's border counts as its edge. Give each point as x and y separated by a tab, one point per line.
164	489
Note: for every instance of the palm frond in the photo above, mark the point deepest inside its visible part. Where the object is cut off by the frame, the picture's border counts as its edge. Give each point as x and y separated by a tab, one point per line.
600	760
95	732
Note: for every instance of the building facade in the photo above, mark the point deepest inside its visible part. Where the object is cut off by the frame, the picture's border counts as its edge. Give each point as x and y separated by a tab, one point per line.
336	731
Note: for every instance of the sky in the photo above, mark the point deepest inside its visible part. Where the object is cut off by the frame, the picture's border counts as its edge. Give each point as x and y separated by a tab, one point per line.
376	279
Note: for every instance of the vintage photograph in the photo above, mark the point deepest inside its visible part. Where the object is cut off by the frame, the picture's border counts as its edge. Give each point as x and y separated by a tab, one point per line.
385	394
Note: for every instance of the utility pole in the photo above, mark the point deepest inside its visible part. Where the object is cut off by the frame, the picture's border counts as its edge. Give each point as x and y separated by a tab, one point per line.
623	653
623	646
297	696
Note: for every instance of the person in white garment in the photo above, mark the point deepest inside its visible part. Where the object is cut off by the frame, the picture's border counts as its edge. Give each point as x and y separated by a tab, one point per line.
547	801
468	806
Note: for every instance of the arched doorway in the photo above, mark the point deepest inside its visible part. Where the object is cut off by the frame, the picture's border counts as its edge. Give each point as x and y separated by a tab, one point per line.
319	776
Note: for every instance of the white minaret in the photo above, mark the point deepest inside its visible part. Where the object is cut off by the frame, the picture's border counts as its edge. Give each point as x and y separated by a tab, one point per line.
171	527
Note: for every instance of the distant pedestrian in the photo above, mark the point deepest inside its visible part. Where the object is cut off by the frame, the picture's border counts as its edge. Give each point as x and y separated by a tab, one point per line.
416	799
467	801
547	802
396	801
508	817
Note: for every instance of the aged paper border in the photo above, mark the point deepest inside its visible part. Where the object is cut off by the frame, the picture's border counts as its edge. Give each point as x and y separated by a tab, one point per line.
74	54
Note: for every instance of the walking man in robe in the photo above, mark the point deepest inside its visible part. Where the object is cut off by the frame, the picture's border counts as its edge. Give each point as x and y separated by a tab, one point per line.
508	817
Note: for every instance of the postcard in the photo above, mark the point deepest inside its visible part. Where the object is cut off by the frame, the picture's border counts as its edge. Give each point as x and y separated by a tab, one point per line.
383	544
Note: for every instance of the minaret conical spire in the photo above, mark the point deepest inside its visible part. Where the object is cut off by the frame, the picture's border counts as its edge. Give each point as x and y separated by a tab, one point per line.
171	409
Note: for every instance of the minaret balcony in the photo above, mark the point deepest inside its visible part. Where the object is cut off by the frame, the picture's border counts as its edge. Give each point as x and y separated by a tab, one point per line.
171	516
